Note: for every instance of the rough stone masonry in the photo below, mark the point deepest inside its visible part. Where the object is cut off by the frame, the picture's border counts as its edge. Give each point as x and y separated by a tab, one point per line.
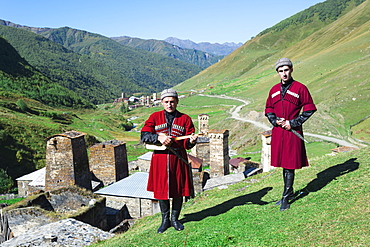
67	232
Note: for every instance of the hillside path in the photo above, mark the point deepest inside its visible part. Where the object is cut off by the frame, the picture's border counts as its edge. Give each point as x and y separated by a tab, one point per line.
235	114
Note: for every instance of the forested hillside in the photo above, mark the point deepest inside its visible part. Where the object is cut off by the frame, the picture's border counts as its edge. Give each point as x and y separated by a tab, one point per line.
193	56
151	72
19	77
92	80
103	64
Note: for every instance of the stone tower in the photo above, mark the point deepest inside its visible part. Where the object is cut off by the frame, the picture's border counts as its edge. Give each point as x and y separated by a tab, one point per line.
108	161
67	161
219	152
203	124
266	151
201	150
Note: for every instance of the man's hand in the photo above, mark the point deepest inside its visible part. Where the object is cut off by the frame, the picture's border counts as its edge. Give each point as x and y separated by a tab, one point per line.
283	123
193	138
164	139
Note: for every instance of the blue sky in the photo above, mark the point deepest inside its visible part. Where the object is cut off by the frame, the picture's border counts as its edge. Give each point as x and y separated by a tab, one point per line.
198	20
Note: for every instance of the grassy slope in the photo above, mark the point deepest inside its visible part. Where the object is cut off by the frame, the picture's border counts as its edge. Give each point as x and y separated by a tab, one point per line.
332	62
332	210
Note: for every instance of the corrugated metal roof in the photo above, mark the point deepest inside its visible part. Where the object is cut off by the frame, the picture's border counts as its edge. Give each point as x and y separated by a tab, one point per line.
34	175
131	186
203	139
146	156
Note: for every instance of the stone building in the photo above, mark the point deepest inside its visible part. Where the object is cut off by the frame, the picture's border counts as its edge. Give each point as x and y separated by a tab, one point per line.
130	193
143	162
203	123
67	161
219	153
212	148
201	150
31	182
266	151
108	161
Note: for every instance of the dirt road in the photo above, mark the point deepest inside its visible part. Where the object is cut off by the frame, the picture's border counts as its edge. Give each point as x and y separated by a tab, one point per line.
235	115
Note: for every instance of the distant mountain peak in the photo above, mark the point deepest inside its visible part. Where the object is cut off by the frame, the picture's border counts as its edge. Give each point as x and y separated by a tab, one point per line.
215	48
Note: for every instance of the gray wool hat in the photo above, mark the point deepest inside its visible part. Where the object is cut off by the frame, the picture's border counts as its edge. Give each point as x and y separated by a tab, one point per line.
168	93
282	62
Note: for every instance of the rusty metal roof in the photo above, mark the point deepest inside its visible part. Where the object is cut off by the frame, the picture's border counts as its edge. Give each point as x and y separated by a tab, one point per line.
70	134
195	162
131	186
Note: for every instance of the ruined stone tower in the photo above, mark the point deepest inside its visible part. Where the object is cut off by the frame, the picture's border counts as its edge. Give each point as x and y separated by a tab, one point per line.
201	150
108	161
203	124
219	153
66	161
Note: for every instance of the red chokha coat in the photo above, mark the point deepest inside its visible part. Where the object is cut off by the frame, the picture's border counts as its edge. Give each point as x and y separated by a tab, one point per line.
169	176
288	150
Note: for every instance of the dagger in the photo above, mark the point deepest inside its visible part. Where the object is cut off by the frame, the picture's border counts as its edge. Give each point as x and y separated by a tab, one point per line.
295	132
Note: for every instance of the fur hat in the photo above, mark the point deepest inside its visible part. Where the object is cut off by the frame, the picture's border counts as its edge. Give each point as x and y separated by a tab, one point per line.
282	62
168	93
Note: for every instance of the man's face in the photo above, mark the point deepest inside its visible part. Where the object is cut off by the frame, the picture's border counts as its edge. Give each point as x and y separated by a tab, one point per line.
285	73
169	104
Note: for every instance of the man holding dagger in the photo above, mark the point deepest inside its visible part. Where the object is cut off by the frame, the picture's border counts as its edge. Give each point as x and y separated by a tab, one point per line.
170	176
283	109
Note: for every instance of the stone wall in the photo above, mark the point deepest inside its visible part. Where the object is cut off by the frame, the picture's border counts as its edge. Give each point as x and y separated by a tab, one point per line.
203	123
23	188
201	150
71	202
108	161
66	161
144	165
137	207
266	151
219	153
22	219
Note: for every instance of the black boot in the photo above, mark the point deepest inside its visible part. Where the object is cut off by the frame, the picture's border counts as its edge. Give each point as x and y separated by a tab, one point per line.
285	182
165	210
288	189
176	209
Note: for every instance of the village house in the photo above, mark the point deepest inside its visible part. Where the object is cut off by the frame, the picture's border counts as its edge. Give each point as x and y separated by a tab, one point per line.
68	164
31	182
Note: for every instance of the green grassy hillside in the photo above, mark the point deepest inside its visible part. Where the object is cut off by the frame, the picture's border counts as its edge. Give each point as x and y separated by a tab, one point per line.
19	77
331	57
94	81
331	209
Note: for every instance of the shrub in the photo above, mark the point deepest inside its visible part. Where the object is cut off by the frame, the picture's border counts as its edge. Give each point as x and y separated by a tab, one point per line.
22	105
6	183
126	126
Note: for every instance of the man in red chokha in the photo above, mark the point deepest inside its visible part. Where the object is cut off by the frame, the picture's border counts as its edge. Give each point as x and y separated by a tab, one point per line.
169	175
288	106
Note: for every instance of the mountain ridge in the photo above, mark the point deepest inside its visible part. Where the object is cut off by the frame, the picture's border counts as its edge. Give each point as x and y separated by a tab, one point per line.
193	56
134	69
213	48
